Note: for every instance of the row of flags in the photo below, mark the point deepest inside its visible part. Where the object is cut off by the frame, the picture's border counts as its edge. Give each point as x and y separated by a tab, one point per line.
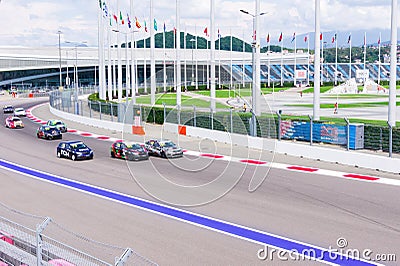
104	8
334	38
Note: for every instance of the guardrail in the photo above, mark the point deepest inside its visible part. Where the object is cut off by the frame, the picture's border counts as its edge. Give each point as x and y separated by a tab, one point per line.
272	126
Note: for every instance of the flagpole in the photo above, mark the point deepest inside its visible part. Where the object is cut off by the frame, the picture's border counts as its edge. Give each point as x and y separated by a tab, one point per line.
197	78
152	57
212	56
100	51
295	59
184	60
269	62
336	55
308	60
208	66
281	41
133	63
178	55
317	62
115	65
230	54
145	62
244	50
127	74
322	59
393	70
174	48
365	59
350	56
164	64
219	59
379	59
109	69
119	59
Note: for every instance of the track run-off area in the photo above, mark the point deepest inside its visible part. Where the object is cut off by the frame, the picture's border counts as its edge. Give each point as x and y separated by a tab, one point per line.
298	206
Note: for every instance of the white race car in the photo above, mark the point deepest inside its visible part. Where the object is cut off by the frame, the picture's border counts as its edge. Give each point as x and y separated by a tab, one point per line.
19	111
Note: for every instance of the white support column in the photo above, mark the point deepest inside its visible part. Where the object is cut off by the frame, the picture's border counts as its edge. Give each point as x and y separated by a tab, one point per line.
256	93
317	63
212	56
393	66
152	58
178	56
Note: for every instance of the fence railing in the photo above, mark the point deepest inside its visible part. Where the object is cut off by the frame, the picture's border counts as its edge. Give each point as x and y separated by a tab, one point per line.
345	134
27	239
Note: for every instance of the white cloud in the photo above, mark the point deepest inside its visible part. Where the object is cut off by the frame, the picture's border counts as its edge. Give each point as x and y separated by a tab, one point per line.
36	22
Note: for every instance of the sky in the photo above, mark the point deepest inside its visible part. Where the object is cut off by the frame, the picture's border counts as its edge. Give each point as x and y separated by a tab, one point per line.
36	22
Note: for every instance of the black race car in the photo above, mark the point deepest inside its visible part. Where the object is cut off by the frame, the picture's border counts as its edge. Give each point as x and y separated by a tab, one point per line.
8	109
47	132
74	150
128	151
163	148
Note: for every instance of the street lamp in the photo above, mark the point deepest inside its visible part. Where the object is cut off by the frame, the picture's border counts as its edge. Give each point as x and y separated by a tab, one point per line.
76	85
59	54
192	41
255	90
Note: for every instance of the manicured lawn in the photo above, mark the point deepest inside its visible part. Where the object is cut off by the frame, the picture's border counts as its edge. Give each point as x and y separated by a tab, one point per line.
346	105
170	100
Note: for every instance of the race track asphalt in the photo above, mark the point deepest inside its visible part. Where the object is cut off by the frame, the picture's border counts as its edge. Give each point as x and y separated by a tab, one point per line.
314	209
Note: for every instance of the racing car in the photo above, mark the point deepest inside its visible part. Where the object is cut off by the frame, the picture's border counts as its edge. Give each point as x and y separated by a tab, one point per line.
128	151
74	150
19	111
57	123
14	122
163	148
8	109
48	132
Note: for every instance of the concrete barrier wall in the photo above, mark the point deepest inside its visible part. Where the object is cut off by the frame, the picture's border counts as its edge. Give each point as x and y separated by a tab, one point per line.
92	121
352	158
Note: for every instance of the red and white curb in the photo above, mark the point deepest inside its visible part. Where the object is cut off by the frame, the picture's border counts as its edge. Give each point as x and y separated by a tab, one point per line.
250	162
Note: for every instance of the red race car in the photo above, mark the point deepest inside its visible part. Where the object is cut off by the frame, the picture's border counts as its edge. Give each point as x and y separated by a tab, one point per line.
14	122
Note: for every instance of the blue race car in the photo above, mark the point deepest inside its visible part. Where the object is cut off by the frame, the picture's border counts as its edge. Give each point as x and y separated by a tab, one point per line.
74	150
48	132
8	109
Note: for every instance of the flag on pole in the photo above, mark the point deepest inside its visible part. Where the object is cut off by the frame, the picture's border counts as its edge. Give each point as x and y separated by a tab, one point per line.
115	18
121	18
349	39
305	38
334	38
219	34
255	35
379	40
165	28
206	31
268	38
320	37
280	37
105	9
145	26
137	23
100	4
174	30
155	25
129	21
294	37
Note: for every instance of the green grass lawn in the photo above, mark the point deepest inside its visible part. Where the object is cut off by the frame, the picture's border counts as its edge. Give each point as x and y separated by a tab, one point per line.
246	92
170	100
346	105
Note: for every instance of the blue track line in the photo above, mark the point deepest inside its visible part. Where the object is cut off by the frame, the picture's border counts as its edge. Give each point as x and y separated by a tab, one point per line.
235	230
